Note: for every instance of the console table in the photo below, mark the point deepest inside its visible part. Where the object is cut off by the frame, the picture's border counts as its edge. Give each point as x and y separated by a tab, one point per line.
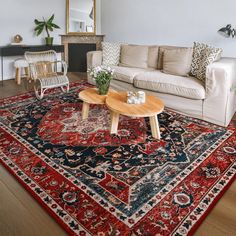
19	50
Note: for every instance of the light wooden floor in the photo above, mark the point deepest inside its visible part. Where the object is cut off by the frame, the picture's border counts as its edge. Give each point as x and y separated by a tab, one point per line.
21	215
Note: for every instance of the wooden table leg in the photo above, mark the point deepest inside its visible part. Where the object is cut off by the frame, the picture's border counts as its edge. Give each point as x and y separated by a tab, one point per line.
114	122
85	110
155	127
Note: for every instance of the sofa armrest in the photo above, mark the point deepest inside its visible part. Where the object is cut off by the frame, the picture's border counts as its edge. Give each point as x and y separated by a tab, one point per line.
94	58
220	103
221	77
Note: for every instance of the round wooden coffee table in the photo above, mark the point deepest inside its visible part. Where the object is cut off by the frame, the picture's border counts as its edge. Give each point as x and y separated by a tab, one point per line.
91	96
116	102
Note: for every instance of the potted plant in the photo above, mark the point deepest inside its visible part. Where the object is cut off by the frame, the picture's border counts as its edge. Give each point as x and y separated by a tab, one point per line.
48	25
102	76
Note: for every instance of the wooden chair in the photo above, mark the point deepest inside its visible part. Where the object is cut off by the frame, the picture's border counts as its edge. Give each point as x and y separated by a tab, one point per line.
47	72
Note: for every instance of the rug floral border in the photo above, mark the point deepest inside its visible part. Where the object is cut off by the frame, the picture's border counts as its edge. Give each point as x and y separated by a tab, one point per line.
186	226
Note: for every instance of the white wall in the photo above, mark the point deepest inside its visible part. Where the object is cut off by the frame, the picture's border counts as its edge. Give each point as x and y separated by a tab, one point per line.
17	17
173	22
98	17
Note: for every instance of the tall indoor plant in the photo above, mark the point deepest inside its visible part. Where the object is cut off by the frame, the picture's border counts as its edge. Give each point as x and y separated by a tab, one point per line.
48	25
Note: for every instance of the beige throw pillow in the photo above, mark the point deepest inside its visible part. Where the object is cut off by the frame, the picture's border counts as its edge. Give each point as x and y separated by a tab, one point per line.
160	54
177	61
134	56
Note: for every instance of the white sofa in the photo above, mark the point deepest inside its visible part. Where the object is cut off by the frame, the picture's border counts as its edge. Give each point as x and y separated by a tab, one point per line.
213	101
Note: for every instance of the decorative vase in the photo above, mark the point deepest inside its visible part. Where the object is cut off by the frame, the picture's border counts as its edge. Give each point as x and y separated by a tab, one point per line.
17	39
49	40
103	88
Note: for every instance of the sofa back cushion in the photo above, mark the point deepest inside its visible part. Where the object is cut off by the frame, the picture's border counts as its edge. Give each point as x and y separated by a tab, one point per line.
153	56
110	53
161	54
177	61
134	56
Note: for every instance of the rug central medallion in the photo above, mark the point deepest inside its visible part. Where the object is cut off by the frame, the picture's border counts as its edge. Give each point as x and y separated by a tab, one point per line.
63	124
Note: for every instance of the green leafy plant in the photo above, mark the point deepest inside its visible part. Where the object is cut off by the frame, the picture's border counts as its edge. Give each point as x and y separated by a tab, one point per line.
48	25
102	76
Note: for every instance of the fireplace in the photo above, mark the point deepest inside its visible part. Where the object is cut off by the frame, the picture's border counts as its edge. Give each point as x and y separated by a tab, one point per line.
76	48
77	56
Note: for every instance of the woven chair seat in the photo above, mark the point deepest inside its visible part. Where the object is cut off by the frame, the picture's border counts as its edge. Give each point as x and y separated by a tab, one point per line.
55	81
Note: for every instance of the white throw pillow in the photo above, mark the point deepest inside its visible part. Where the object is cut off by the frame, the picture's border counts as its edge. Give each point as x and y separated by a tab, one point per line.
110	53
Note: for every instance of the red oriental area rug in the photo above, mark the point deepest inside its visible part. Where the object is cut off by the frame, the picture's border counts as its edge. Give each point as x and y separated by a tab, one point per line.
94	183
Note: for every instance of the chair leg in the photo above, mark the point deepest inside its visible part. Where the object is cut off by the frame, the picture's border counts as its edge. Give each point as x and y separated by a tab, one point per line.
38	94
18	76
67	88
27	73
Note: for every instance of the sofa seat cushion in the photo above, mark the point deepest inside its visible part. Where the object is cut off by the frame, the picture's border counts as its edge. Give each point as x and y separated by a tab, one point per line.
188	87
127	74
